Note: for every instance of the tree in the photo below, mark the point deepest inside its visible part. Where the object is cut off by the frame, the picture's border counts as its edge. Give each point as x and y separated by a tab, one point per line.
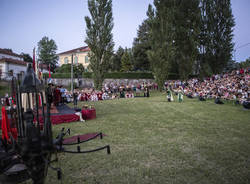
26	57
245	64
141	46
161	39
117	59
47	52
216	36
126	61
186	30
66	68
99	38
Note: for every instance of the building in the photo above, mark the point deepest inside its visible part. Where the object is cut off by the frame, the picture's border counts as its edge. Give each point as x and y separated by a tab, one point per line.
44	68
80	56
11	64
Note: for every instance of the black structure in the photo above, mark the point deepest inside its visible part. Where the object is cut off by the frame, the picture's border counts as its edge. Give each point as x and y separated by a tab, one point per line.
29	157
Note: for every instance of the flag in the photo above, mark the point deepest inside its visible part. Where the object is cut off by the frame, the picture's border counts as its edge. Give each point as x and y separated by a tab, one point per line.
34	59
49	72
6	129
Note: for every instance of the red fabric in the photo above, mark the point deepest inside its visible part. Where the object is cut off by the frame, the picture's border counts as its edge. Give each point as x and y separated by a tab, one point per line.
55	120
49	72
58	119
88	114
6	130
40	102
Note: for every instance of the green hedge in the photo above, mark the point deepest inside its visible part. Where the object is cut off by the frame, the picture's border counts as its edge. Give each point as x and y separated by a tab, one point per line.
132	75
112	75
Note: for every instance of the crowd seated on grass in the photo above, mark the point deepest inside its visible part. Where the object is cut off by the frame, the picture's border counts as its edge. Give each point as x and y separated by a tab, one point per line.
233	86
60	95
114	92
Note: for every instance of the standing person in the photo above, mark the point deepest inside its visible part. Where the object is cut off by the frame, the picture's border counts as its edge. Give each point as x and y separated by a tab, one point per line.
50	94
75	95
169	96
180	95
57	96
7	102
147	91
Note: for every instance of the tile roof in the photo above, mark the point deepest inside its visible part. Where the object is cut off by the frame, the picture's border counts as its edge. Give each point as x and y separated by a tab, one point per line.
80	49
9	52
13	61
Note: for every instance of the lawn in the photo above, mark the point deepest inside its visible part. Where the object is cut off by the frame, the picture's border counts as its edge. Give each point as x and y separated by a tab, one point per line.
154	141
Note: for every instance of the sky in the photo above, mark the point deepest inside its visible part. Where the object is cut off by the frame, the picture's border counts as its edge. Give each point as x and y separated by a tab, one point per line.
24	22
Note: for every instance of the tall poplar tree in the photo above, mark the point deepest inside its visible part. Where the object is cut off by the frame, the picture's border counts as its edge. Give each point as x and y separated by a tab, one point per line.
216	37
186	30
99	38
161	39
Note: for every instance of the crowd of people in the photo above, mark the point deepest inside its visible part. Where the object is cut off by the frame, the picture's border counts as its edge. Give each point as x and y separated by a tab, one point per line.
229	86
233	86
60	95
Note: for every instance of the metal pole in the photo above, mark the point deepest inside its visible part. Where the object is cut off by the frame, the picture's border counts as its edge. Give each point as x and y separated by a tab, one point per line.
72	74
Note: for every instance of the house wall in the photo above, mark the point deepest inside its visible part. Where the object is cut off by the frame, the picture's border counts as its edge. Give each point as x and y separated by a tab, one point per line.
81	58
6	67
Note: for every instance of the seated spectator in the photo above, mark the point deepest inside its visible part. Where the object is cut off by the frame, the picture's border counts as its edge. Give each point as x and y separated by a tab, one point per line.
218	100
246	104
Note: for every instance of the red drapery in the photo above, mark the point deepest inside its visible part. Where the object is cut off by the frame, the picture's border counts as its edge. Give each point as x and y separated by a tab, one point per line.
6	130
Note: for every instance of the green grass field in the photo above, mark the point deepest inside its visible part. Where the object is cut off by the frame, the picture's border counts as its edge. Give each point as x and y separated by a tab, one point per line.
154	141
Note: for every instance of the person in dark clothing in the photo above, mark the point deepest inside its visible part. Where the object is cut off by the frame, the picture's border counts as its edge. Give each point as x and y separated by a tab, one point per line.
50	93
201	97
75	95
218	100
189	95
146	92
246	104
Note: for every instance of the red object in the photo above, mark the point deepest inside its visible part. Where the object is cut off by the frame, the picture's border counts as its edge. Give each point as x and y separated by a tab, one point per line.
40	102
64	118
88	114
55	120
6	130
49	72
34	59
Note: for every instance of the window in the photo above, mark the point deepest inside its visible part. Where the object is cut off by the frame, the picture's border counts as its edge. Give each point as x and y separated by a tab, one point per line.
66	60
76	59
86	59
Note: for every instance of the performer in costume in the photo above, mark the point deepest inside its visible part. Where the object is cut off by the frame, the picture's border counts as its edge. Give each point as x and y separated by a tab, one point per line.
180	95
170	95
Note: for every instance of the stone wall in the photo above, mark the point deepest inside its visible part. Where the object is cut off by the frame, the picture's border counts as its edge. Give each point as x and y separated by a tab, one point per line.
90	83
